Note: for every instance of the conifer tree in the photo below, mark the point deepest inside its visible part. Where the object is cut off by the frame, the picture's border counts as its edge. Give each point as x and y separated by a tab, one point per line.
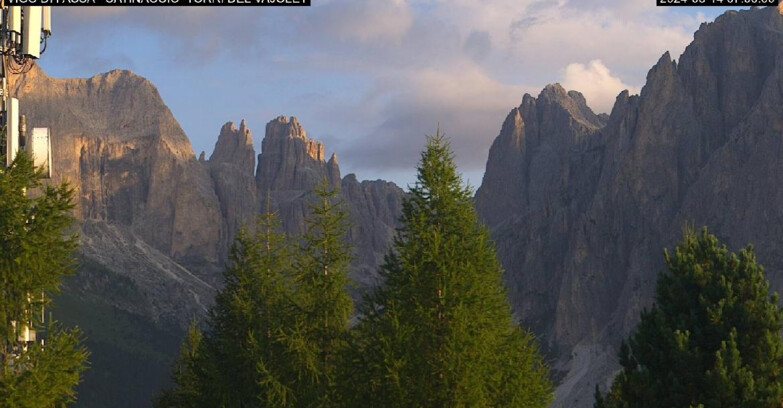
439	331
251	315
711	339
188	374
274	336
35	253
240	359
323	306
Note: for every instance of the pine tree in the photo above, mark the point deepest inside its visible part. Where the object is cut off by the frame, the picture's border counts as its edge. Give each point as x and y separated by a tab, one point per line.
188	374
439	331
251	315
323	306
241	359
35	253
274	336
711	339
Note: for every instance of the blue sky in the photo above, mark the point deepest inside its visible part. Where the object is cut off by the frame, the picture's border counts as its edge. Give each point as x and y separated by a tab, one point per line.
371	77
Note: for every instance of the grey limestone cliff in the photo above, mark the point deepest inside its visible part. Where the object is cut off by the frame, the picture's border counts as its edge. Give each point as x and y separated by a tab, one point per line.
139	184
582	206
291	165
232	167
156	223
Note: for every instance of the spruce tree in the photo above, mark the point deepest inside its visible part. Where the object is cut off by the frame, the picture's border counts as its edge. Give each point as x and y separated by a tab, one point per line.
35	253
439	331
188	374
250	316
240	359
711	339
274	335
323	306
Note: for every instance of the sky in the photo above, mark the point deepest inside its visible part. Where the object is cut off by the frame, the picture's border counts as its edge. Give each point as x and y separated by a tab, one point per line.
371	78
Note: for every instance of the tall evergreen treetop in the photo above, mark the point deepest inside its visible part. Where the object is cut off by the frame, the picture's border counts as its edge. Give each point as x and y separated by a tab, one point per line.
439	332
36	251
323	306
250	317
188	373
711	339
241	360
274	336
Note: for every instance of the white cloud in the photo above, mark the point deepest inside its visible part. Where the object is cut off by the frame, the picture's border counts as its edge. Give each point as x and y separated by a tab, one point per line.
384	71
468	105
531	37
596	83
363	21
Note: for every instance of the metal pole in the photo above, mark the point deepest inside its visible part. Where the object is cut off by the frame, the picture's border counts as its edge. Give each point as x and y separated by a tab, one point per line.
3	69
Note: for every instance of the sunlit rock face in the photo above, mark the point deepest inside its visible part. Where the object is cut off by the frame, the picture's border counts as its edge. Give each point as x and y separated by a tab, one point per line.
150	211
156	223
131	165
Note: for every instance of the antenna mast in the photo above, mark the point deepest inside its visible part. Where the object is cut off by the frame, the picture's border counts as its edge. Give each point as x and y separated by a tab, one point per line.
23	34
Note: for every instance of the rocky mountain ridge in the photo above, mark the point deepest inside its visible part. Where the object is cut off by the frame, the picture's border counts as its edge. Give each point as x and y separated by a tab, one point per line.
582	206
134	169
156	223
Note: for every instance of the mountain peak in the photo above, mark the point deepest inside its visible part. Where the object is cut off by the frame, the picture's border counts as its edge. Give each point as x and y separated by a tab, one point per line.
580	214
289	160
554	97
235	146
110	93
553	92
279	129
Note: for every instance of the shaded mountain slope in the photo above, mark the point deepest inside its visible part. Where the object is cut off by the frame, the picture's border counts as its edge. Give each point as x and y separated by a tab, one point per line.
582	209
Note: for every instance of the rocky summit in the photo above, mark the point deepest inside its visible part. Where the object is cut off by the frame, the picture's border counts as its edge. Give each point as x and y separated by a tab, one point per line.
582	206
156	223
291	164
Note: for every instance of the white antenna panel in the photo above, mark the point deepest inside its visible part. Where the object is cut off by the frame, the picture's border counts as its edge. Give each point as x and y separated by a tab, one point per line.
12	130
47	19
27	334
14	24
15	19
40	147
31	32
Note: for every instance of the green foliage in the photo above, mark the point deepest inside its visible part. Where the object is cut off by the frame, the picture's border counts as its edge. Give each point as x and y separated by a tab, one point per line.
712	338
189	375
45	376
241	360
439	332
250	318
273	336
34	256
322	304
